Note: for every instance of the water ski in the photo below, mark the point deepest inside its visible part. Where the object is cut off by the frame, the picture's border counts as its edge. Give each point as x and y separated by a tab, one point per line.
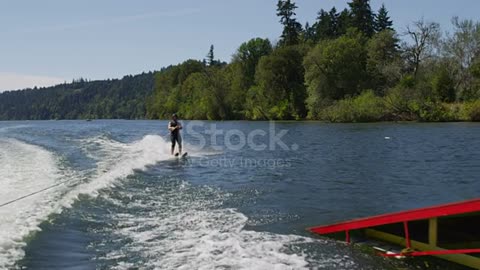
183	155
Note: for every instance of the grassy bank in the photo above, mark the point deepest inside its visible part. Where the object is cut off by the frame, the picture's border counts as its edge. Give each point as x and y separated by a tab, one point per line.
367	107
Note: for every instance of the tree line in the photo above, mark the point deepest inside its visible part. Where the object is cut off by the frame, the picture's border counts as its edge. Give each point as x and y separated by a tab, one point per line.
346	66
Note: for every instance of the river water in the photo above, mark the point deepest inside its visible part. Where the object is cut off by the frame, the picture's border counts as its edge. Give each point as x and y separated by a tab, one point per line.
112	196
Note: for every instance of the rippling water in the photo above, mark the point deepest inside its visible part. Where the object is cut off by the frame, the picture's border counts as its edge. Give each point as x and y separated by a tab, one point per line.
121	201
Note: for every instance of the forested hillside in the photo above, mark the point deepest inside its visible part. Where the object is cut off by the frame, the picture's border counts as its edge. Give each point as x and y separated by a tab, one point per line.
81	99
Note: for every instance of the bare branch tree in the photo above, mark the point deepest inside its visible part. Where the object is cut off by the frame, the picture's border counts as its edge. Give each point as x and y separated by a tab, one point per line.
424	37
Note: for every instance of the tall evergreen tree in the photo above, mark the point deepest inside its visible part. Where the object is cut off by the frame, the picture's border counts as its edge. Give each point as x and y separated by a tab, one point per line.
343	22
334	20
211	56
326	25
309	32
362	16
291	28
382	20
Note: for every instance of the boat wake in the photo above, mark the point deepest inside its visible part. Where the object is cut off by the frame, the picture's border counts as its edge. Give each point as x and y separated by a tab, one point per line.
27	169
116	161
163	224
176	225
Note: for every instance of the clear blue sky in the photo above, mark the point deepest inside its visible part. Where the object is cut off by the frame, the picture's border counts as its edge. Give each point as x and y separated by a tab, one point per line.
43	42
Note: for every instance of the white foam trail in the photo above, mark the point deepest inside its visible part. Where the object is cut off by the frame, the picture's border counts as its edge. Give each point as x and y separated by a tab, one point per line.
24	169
210	240
117	161
27	168
182	228
191	234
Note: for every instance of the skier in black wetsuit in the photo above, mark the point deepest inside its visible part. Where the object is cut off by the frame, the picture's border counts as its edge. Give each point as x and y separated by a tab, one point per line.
174	127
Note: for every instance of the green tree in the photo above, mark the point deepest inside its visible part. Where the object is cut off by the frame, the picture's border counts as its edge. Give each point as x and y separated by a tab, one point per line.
203	95
192	90
235	74
383	47
463	47
344	22
334	21
443	84
475	71
309	33
211	56
291	28
383	63
279	92
334	69
241	72
217	94
249	53
362	16
326	25
475	68
382	20
167	90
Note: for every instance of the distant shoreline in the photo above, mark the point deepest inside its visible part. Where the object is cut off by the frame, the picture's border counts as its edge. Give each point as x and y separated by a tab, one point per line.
245	120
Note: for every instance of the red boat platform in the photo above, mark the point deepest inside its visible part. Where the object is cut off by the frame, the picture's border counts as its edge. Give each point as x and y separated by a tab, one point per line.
449	231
